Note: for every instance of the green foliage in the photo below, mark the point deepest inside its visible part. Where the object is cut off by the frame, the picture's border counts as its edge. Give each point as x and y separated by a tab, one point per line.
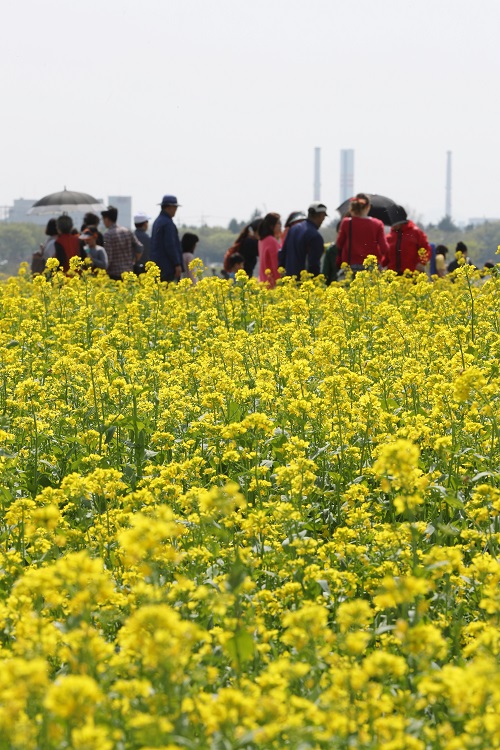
18	242
214	241
236	226
446	225
482	241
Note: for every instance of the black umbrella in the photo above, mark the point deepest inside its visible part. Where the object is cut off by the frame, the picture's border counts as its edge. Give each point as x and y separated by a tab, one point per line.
380	208
65	201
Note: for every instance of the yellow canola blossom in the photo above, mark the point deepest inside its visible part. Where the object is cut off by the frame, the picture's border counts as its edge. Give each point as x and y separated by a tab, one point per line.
241	517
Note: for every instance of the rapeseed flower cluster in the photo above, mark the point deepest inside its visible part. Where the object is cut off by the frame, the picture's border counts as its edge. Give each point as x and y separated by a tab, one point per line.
237	517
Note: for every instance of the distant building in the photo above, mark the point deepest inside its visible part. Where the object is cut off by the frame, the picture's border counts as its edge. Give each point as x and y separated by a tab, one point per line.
124	205
18	213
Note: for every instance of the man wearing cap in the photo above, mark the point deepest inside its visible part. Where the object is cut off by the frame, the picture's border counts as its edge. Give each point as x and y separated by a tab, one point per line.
141	222
122	247
303	246
165	244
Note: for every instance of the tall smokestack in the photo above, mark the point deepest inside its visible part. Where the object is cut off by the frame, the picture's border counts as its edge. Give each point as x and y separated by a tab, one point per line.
317	174
346	174
447	210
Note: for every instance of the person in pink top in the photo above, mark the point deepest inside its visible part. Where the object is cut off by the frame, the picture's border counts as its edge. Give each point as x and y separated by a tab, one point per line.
361	235
269	234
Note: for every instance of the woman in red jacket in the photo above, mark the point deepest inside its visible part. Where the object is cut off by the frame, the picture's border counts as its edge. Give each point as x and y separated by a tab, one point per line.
361	235
409	248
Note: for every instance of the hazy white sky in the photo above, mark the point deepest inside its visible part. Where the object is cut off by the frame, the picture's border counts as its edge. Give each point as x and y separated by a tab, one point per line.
222	102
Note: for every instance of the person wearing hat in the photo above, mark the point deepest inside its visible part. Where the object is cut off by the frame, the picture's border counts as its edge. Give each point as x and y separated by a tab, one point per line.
91	250
303	246
166	249
409	248
141	223
122	247
91	219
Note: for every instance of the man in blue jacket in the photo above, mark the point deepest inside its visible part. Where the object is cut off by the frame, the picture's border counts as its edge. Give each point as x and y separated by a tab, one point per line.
165	244
303	246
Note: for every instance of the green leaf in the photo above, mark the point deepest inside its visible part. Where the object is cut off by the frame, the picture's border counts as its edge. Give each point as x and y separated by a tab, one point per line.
241	646
391	403
236	575
448	530
482	475
453	502
110	434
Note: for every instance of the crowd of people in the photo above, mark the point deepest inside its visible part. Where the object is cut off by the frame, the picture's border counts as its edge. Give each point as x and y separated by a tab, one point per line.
299	246
120	250
295	247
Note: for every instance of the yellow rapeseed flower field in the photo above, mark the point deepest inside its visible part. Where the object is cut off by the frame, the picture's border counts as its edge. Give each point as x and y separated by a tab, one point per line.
242	518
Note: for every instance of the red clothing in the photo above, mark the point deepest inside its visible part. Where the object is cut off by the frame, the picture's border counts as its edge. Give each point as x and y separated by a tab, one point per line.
411	239
268	260
67	245
368	238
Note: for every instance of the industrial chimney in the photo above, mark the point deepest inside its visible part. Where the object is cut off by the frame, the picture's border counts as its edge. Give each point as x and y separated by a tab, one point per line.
346	174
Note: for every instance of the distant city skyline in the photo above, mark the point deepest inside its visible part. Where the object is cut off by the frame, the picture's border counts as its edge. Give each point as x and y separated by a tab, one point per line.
17	212
128	206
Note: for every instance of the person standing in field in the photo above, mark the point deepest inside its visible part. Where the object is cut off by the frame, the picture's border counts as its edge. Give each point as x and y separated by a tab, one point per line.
122	247
295	217
361	235
166	249
409	248
67	244
236	263
91	250
461	257
141	223
188	244
47	249
330	266
440	260
269	233
247	245
92	220
303	246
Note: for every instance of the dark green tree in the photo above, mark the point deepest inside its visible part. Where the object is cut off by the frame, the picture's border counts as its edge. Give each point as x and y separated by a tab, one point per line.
235	226
446	225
